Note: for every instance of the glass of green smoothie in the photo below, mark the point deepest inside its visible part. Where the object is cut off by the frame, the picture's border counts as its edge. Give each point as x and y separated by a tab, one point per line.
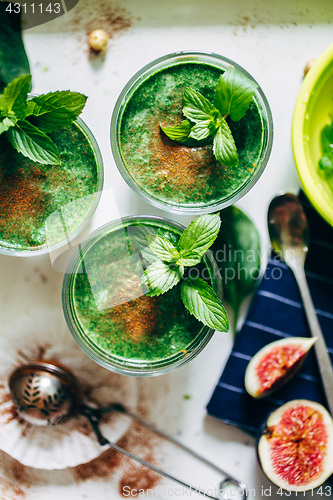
172	176
110	316
42	207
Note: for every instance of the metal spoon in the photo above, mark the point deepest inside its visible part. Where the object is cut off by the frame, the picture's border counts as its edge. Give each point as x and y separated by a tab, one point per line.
47	394
289	233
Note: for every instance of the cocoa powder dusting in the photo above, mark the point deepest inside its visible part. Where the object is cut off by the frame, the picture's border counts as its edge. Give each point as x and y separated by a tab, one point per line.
11	492
140	442
17	481
181	163
101	466
138	478
9	412
110	465
18	198
137	317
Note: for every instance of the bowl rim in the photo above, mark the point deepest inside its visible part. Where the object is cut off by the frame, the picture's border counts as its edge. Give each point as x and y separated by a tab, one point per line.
141	75
309	186
114	363
45	249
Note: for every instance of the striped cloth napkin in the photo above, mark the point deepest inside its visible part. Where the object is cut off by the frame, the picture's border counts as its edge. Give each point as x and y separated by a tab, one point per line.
277	312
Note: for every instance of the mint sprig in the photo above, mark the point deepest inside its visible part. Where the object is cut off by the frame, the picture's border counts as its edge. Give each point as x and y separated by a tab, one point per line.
26	123
165	273
207	122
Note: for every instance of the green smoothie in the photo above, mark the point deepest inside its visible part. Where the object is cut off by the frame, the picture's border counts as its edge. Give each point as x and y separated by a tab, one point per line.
171	172
109	306
44	204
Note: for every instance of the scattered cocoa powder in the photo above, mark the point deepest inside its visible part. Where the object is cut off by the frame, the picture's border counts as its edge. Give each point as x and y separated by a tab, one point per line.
17	480
100	467
5	398
19	473
18	199
126	472
10	413
9	491
138	478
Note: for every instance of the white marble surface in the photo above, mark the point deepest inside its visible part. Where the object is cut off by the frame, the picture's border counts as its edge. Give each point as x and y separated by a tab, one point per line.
270	39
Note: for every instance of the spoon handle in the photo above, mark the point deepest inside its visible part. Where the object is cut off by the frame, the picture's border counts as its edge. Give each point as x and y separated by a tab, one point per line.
323	358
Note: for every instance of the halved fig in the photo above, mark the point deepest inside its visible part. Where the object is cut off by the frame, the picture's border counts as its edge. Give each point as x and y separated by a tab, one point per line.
275	364
296	446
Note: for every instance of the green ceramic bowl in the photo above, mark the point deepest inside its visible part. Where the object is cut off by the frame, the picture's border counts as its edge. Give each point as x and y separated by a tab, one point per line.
313	111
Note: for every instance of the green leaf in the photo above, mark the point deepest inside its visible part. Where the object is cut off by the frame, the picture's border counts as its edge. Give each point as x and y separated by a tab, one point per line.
29	108
203	303
6	123
202	130
224	147
327	139
178	133
189	258
163	248
138	241
14	97
13	58
200	234
237	253
326	163
33	143
233	94
56	110
195	106
161	277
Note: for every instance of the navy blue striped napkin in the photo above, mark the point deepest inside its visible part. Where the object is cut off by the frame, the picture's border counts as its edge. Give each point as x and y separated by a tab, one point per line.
276	312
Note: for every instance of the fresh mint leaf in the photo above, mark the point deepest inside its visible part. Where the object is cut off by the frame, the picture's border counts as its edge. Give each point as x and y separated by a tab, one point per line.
202	302
200	234
163	248
14	97
326	163
233	94
224	147
160	277
56	110
138	241
202	130
6	123
13	58
188	258
327	139
195	106
178	133
33	143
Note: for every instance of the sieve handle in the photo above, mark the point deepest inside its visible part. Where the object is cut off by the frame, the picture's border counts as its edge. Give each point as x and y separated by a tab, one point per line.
95	416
